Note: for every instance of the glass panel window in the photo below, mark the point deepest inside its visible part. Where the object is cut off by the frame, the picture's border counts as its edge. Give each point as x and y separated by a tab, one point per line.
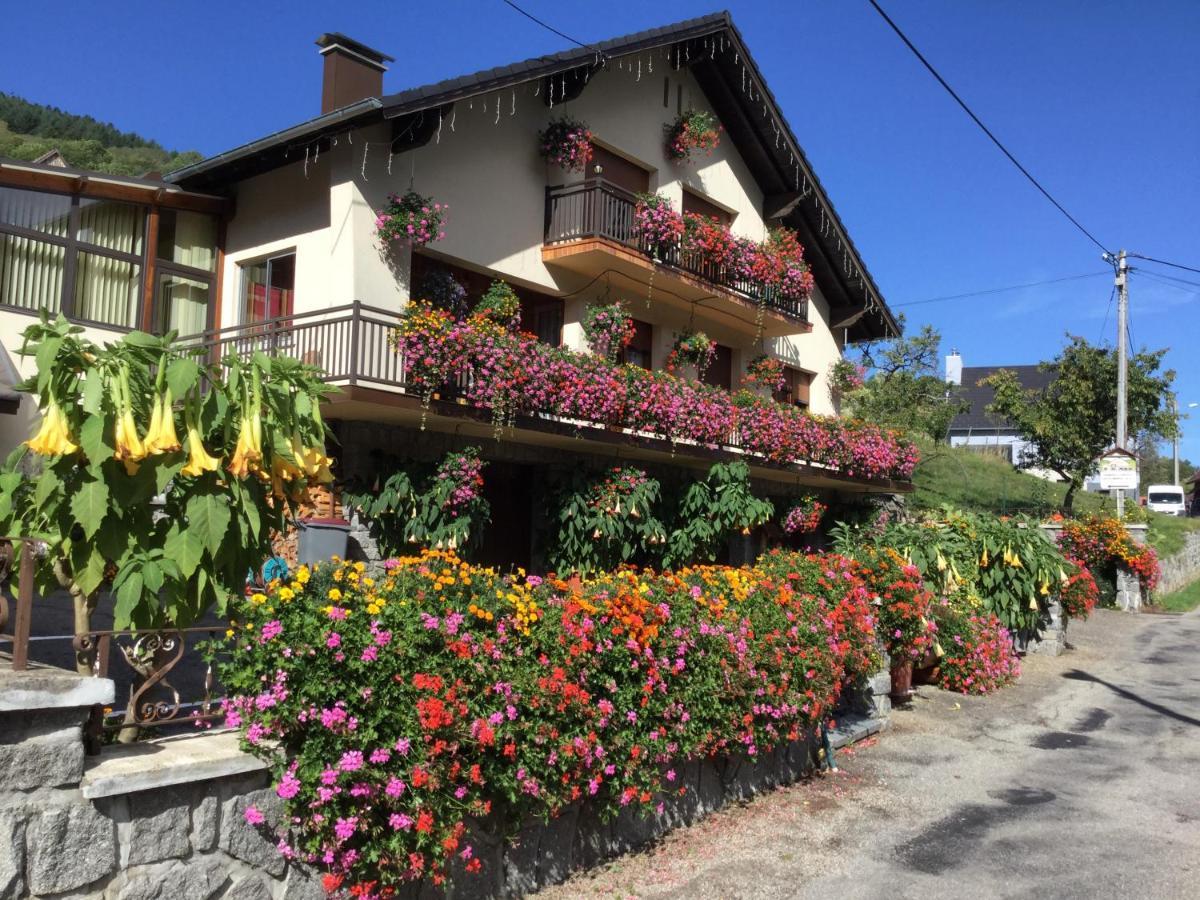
31	273
182	304
188	239
268	288
48	213
106	290
112	225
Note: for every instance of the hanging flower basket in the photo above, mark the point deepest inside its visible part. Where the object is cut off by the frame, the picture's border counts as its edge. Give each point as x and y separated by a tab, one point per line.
566	143
411	218
765	374
805	516
501	305
608	329
694	130
692	348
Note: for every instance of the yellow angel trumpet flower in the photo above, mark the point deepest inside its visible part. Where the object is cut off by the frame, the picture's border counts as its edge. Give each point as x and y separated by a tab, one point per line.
199	460
54	436
316	465
247	454
129	448
161	437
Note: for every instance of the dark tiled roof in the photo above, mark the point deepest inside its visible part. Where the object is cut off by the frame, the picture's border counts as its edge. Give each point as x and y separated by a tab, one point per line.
977	418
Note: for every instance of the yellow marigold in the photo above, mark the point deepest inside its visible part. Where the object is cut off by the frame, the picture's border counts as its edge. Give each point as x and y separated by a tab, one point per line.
286	594
374	609
303	574
335	594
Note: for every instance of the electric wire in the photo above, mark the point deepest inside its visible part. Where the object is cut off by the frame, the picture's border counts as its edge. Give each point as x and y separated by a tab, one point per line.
1163	262
551	28
999	290
995	140
1104	327
1168	280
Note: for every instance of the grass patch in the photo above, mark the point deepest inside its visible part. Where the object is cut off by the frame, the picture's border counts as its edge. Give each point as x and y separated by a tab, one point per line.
1182	600
984	483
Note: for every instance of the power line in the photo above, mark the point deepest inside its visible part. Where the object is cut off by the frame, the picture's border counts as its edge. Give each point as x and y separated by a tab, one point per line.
1163	262
1168	280
1000	290
551	28
995	140
1104	327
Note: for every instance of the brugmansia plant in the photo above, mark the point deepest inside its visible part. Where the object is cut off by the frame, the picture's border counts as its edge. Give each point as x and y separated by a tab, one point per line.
603	523
171	525
712	509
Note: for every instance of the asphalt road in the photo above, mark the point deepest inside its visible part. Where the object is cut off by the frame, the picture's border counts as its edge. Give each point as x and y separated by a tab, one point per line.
1082	781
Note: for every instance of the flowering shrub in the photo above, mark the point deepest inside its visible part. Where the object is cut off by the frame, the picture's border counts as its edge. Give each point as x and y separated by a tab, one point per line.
977	653
693	130
608	329
501	305
515	373
657	224
608	521
412	218
692	348
396	712
1103	544
566	143
906	624
1079	593
804	516
765	372
443	291
845	376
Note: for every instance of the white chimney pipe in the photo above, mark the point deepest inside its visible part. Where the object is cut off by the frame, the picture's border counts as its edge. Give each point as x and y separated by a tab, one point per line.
954	368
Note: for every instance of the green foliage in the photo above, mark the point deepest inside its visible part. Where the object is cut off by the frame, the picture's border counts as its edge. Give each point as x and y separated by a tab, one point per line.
1072	421
607	521
28	130
501	304
439	509
711	510
1183	600
117	495
905	389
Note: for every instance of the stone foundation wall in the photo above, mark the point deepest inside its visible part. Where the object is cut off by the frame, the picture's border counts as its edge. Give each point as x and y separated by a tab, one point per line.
1181	569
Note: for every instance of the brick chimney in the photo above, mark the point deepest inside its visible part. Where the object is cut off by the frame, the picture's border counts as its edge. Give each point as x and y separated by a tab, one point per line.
353	71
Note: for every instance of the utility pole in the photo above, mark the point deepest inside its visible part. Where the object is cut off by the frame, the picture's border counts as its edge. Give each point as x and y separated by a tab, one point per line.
1175	440
1122	283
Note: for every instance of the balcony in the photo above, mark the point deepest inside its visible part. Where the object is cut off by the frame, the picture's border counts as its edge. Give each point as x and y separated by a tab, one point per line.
590	230
353	346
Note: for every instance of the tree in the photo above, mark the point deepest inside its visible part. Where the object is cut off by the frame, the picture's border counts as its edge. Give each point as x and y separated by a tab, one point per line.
122	503
1073	420
1157	468
905	388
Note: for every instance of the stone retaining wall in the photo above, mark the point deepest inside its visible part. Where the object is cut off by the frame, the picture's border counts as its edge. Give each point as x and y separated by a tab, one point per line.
1182	568
165	819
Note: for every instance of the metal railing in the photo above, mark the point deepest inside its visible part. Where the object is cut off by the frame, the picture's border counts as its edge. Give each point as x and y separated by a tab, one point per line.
598	208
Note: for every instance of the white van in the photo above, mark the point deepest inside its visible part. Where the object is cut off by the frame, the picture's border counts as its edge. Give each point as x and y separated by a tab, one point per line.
1166	498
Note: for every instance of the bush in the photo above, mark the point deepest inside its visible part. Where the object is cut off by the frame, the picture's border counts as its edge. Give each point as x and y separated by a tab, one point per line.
1103	544
395	712
977	652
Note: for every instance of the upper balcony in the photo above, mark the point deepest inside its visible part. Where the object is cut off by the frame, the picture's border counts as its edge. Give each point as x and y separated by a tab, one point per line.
590	230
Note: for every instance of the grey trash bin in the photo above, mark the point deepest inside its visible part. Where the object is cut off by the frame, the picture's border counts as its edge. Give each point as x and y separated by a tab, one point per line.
322	539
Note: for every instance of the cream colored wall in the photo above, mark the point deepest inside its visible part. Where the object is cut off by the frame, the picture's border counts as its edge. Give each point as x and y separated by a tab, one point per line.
483	163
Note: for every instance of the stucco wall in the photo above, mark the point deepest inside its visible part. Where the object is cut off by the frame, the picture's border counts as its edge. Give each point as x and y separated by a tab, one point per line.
484	164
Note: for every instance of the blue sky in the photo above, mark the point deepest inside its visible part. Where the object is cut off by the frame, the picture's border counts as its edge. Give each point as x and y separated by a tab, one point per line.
1097	98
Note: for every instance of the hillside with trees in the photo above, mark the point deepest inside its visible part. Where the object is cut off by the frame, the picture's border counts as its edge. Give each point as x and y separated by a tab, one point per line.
29	130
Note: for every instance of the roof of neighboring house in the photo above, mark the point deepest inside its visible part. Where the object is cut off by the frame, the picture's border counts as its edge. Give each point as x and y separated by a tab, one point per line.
977	418
52	158
731	80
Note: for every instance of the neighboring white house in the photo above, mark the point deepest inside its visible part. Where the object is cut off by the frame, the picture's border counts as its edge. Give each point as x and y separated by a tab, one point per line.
985	431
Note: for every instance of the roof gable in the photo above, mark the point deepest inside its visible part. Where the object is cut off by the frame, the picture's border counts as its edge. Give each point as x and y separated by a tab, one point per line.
980	396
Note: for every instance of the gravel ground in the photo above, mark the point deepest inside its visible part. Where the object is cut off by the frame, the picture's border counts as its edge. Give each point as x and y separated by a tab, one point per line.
1082	781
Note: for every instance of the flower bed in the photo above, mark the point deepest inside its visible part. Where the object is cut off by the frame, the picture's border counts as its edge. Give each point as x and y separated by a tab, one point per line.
977	653
516	374
396	712
1103	544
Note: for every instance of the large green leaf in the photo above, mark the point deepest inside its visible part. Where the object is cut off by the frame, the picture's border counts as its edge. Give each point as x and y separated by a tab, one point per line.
93	438
185	547
182	375
130	596
209	516
90	576
93	392
90	505
46	486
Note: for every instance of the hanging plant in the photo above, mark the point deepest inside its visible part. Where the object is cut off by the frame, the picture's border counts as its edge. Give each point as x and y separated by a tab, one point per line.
693	130
566	143
445	292
411	218
692	348
804	516
608	329
845	376
500	304
765	372
656	224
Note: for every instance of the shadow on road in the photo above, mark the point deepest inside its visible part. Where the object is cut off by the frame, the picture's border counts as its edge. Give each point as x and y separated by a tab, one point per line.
1077	675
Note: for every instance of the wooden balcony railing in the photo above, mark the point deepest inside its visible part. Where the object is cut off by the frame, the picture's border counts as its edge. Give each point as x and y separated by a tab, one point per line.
595	208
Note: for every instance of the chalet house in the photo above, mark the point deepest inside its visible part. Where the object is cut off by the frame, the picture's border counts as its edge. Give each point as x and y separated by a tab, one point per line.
273	246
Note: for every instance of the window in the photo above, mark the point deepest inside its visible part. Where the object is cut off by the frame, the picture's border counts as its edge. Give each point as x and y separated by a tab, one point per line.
694	203
795	391
640	349
79	255
720	371
543	316
619	171
186	260
268	288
